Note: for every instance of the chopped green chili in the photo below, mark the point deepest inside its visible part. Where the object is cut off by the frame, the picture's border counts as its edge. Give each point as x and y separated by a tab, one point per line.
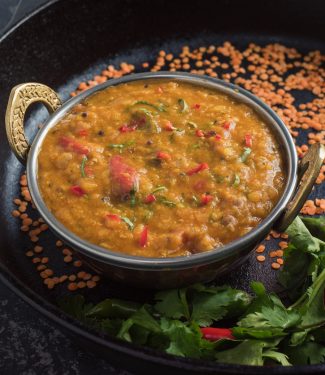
128	222
160	107
236	180
184	106
245	154
192	125
121	146
82	166
159	188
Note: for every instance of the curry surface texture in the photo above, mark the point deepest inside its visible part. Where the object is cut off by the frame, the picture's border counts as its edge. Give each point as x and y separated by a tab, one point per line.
160	169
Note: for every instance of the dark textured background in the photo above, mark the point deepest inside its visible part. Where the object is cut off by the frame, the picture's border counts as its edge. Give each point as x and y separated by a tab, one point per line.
28	343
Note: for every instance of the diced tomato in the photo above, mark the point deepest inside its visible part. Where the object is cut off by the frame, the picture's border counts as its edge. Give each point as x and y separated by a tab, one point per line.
124	178
199	168
215	334
199	133
144	237
248	140
149	198
77	191
71	144
218	137
169	126
113	217
163	155
206	199
196	106
83	133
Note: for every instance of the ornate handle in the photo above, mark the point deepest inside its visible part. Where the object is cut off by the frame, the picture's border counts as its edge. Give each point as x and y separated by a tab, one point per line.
308	171
21	97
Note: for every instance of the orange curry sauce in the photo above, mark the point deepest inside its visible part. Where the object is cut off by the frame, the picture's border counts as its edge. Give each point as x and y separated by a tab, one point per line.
160	169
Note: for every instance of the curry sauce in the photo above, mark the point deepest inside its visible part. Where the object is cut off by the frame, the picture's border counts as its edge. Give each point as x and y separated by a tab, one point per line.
160	168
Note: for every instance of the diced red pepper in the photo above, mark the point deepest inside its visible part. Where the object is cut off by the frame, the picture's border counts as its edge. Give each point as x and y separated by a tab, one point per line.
218	137
163	155
72	145
83	133
199	168
126	129
77	191
206	199
113	217
149	198
248	140
144	237
196	106
199	133
169	126
229	125
215	334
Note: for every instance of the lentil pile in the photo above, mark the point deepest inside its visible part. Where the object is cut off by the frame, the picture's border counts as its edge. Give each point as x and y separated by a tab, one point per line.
275	73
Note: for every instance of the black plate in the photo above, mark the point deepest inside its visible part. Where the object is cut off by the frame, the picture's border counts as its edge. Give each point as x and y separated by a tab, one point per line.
72	40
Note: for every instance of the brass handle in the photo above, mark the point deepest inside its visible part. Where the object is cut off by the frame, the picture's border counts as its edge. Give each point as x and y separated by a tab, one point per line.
21	97
308	171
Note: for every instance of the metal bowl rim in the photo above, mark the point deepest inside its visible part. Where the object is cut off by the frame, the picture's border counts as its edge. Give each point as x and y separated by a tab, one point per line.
181	262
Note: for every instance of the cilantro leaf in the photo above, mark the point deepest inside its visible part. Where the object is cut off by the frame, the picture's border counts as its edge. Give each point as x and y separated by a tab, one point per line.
316	226
308	353
213	303
172	303
143	322
248	352
186	340
277	356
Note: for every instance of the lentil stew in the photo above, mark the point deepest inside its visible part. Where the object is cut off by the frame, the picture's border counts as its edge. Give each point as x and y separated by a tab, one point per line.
160	169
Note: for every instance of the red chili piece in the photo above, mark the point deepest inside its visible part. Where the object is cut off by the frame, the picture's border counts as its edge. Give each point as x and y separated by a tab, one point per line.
149	198
83	133
196	106
169	126
72	145
199	168
248	140
77	191
126	129
144	237
199	133
113	217
206	198
218	137
163	155
215	334
229	125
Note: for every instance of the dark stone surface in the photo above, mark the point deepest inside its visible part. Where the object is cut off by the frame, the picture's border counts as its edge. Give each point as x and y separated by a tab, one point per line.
28	343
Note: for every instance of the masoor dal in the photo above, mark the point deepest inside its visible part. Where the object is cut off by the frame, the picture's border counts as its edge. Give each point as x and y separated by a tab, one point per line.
160	169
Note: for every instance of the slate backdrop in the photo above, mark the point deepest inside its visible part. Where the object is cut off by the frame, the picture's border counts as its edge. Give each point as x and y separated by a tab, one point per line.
28	343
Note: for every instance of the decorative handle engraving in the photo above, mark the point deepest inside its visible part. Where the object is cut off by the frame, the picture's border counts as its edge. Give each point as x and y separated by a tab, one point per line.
21	97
